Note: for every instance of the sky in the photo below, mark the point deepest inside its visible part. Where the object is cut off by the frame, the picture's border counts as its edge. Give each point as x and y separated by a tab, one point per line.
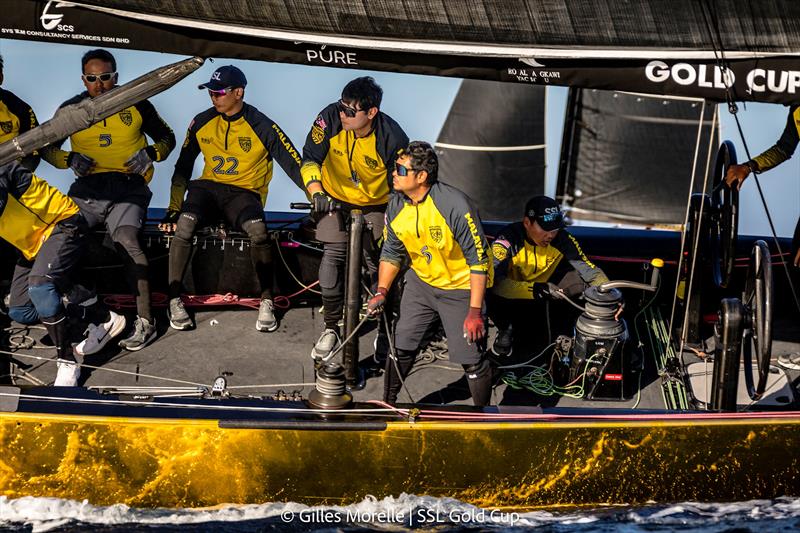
45	74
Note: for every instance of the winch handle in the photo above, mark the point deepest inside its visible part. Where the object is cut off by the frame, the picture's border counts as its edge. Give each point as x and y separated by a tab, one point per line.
301	205
652	287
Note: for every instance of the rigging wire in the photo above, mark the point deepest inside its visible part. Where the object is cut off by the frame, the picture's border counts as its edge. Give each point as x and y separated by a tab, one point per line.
730	96
696	236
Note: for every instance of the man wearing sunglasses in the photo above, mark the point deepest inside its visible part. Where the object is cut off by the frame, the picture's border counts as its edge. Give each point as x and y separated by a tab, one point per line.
533	259
239	144
348	159
438	229
113	163
16	117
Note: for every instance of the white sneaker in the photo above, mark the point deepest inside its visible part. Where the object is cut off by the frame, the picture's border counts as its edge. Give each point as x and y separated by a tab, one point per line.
99	335
328	341
790	361
266	316
68	373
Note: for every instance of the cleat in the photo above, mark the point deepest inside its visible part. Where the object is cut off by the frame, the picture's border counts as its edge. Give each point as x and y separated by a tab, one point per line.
326	344
178	317
68	373
144	331
503	342
99	335
266	316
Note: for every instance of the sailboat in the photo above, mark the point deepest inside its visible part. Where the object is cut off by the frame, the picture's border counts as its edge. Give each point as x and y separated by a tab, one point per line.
641	429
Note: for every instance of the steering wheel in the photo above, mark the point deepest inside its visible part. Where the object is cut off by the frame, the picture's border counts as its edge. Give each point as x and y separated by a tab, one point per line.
725	220
757	300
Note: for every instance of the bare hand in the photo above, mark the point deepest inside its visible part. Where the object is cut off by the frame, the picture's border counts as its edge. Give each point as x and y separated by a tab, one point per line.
169	223
736	173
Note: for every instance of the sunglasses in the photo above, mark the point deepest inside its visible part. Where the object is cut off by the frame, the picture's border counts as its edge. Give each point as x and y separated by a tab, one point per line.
401	170
349	112
220	92
105	76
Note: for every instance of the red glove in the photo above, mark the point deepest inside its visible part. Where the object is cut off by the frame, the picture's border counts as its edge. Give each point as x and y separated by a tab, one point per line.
376	303
473	325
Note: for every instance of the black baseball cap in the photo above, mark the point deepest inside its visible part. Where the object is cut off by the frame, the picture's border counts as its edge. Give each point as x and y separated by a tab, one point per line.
546	212
224	77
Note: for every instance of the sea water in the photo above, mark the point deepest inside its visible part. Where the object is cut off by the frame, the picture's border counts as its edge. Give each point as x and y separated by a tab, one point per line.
421	513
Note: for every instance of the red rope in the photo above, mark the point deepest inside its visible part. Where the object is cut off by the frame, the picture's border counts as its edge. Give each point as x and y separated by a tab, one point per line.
159	299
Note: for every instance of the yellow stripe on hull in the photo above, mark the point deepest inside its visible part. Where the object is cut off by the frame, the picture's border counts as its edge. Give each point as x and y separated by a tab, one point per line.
185	463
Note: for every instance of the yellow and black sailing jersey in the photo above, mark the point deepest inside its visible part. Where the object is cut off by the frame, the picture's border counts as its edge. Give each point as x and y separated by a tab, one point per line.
29	209
519	263
357	171
237	150
16	117
786	145
442	235
112	141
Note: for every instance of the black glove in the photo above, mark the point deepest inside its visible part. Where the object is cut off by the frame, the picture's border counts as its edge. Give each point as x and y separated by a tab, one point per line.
139	163
541	290
323	203
171	217
80	164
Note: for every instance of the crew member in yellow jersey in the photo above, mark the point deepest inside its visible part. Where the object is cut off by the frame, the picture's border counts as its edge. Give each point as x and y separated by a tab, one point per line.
114	164
16	117
437	228
239	144
49	231
532	258
347	164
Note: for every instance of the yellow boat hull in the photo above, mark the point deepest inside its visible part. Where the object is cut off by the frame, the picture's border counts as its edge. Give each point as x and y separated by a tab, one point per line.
521	465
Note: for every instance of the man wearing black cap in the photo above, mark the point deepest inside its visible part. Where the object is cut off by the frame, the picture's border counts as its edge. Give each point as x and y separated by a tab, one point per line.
238	143
114	165
528	257
348	160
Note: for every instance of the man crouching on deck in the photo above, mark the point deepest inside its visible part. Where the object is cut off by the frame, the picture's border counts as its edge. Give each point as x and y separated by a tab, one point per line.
50	232
437	227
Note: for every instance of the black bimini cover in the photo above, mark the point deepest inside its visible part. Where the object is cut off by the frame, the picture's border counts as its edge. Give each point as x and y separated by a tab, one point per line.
713	49
492	146
629	157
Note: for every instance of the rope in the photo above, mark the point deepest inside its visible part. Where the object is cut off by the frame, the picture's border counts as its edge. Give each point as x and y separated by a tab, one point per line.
695	237
112	370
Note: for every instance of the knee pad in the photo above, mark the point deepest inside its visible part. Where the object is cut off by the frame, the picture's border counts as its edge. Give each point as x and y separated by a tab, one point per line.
257	231
45	299
478	370
24	314
128	238
187	224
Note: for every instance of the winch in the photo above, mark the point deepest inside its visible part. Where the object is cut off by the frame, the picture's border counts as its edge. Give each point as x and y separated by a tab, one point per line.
601	354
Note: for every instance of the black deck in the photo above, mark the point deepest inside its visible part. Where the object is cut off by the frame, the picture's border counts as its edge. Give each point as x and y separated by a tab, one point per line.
225	341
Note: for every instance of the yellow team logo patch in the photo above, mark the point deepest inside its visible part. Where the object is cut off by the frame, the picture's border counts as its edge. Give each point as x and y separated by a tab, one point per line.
126	117
6	126
499	251
436	233
371	163
317	134
246	143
